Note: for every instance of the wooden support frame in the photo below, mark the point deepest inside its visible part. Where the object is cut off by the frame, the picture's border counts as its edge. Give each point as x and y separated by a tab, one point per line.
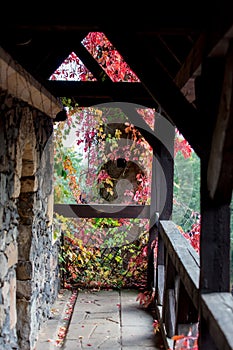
182	291
103	211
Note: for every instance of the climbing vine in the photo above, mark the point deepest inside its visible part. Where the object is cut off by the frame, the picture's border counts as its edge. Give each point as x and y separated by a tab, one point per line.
99	137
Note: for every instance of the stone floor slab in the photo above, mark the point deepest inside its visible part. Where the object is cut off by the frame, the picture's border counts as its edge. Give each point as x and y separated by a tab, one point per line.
111	320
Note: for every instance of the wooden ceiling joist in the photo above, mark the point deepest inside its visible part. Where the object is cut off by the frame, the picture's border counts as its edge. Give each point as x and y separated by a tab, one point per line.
100	92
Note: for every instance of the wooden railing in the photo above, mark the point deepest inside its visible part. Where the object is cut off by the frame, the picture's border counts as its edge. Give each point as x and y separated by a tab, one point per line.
180	307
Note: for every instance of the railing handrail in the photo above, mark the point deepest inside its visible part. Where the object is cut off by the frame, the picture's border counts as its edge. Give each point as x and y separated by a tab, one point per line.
93	210
184	257
215	308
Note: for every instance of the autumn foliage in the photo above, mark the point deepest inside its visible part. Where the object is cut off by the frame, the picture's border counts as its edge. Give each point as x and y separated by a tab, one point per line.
96	253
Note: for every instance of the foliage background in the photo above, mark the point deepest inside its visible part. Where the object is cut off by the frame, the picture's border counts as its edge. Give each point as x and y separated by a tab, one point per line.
84	258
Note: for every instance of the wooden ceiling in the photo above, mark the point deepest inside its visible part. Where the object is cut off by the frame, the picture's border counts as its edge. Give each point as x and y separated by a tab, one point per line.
166	53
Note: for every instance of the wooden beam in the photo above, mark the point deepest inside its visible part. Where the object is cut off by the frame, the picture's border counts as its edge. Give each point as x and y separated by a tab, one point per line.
192	62
175	25
103	211
90	93
90	62
211	43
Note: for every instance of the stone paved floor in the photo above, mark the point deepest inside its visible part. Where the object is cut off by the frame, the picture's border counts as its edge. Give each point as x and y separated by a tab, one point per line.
111	320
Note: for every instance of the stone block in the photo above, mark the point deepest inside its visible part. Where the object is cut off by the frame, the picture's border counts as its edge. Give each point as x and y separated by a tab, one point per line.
16	187
24	242
2	315
5	293
24	289
3	192
24	318
12	254
29	184
13	313
50	211
24	270
4	266
2	237
28	168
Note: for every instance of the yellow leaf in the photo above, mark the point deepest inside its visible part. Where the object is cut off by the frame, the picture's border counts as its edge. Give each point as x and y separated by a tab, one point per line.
108	181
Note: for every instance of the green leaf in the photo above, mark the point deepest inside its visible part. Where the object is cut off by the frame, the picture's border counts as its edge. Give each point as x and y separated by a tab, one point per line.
64	174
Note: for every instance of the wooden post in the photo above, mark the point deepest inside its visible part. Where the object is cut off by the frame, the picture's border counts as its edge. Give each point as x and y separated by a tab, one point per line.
160	270
162	190
169	303
186	313
161	193
216	180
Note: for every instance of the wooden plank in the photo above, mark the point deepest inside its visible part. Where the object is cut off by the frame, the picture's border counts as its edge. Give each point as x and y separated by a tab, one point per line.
170	313
168	342
160	266
217	309
169	294
184	258
102	211
151	270
160	283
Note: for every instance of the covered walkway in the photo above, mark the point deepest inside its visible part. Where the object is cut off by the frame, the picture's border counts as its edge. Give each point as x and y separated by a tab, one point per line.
100	320
184	65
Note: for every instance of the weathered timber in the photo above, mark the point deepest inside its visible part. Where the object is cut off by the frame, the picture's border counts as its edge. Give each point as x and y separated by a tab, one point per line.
215	210
160	267
220	167
184	258
92	93
170	313
186	313
192	63
169	300
211	45
90	62
217	309
102	211
160	283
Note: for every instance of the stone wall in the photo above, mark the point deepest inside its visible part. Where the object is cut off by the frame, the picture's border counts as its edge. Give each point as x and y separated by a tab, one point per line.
29	277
